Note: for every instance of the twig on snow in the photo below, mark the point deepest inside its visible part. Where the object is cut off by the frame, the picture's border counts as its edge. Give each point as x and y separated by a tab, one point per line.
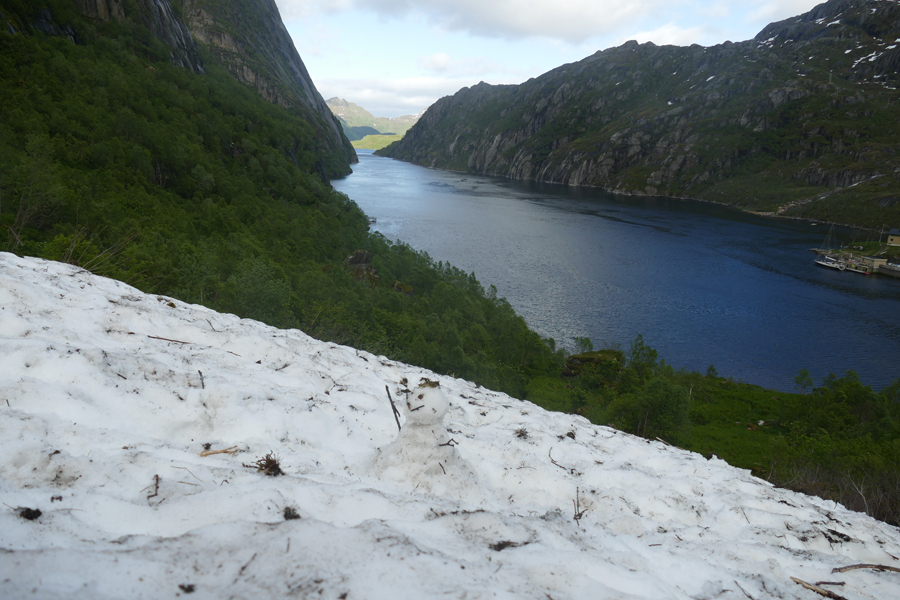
577	504
393	407
156	337
553	461
233	450
167	339
743	590
241	572
155	486
818	590
189	471
865	566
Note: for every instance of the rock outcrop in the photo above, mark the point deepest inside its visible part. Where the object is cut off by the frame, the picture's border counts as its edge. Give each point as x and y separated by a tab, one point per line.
809	103
160	18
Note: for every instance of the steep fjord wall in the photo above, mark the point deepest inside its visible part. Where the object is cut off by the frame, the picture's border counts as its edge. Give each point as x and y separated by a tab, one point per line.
250	39
159	17
782	122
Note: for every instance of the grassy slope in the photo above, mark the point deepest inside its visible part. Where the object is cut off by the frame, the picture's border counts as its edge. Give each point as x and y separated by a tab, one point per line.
375	142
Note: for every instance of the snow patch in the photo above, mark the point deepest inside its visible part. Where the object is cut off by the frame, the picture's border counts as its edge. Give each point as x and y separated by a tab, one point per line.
134	423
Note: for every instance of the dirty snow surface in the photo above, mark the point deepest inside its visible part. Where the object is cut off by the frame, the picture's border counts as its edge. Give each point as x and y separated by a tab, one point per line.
112	401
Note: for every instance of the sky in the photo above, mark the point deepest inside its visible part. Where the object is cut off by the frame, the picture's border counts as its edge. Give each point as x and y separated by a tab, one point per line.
397	57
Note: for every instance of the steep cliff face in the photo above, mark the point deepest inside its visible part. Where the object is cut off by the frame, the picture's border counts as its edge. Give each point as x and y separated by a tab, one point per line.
809	104
249	38
246	36
159	17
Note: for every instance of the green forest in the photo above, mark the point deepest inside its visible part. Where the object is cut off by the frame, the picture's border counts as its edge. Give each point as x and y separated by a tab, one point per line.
192	186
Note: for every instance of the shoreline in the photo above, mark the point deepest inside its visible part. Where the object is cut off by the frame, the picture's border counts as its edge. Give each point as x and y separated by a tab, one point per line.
615	192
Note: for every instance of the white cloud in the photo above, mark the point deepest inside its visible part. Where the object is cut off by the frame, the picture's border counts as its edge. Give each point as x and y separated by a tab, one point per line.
671	34
569	20
300	9
443	64
572	21
439	62
428	48
719	10
770	12
323	41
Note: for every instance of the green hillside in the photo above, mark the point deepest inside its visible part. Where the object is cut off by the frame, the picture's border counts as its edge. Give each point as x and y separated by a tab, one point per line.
193	185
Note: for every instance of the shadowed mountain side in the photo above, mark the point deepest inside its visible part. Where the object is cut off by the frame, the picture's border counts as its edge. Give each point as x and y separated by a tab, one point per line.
249	38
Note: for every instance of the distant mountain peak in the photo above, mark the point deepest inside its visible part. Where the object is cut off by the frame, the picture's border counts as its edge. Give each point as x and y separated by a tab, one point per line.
355	118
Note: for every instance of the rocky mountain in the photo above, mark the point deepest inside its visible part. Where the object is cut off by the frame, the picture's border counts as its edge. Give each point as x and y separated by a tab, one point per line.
158	16
803	120
250	39
247	37
358	122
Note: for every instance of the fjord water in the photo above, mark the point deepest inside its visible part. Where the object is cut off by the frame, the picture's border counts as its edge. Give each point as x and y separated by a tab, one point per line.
703	284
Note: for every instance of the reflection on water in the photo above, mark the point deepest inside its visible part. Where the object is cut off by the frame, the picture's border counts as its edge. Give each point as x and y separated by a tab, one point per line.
702	283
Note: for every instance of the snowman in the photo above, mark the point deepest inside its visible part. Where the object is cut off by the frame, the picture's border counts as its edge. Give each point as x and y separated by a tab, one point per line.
424	455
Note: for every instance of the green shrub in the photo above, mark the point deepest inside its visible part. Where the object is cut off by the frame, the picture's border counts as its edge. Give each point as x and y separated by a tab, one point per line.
659	409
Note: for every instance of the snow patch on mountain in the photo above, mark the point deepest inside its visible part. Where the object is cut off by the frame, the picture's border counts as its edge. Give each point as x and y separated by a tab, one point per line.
137	426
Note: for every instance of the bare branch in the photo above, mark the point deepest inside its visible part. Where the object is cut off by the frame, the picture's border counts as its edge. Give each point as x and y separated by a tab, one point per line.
393	407
865	566
233	450
818	590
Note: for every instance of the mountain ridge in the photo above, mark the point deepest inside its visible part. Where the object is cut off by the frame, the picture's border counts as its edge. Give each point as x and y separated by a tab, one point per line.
802	127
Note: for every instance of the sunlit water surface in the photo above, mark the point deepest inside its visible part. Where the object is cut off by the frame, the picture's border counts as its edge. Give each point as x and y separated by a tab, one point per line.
702	283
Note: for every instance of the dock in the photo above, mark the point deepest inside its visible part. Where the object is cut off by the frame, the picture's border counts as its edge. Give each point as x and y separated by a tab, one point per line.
864	265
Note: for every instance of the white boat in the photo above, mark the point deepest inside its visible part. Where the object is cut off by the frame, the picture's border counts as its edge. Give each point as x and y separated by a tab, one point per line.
830	262
823	259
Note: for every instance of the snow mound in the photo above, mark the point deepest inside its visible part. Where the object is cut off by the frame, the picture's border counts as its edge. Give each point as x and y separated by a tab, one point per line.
137	426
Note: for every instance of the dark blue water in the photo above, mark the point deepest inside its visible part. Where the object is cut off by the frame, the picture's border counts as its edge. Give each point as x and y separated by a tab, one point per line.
704	284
